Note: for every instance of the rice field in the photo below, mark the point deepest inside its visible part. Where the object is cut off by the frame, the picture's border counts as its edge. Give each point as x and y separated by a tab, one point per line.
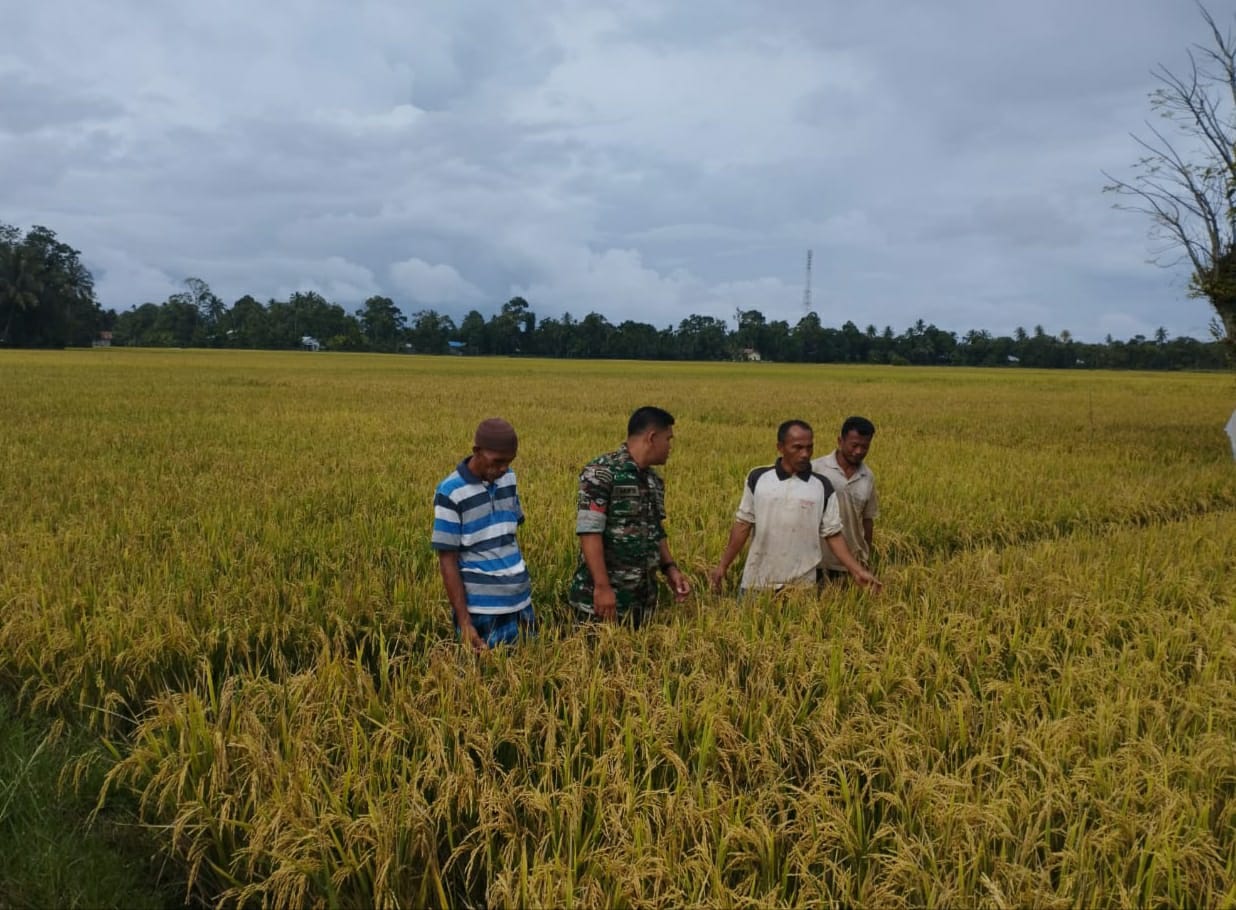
219	562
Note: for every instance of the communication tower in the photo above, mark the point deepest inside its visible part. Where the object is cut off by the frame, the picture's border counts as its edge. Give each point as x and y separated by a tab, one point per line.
807	287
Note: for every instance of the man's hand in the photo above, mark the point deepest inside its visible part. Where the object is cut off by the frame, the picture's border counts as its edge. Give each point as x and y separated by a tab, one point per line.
448	564
865	579
678	583
604	602
858	572
472	638
740	531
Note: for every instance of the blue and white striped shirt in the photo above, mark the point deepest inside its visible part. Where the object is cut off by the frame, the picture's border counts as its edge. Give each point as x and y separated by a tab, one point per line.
478	520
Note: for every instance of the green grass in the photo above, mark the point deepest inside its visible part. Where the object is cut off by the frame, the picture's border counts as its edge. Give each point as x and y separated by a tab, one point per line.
53	851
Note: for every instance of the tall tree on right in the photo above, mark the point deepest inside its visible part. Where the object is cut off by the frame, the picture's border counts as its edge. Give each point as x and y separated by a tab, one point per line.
1185	180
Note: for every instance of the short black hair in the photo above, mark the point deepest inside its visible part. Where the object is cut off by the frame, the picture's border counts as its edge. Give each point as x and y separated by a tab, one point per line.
784	430
860	425
647	418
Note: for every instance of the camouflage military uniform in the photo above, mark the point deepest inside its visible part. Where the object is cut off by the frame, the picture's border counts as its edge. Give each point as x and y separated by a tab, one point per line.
626	506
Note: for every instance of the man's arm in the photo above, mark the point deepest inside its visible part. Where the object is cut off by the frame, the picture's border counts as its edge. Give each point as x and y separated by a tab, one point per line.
452	580
740	530
740	533
836	543
831	533
871	511
677	581
446	539
596	484
604	600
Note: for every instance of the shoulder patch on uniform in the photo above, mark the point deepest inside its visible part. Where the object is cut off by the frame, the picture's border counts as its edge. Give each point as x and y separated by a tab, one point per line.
598	471
754	477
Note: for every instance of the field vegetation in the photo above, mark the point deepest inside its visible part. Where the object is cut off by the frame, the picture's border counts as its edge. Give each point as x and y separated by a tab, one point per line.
218	564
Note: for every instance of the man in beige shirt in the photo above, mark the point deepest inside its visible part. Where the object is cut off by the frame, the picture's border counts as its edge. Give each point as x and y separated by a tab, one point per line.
856	489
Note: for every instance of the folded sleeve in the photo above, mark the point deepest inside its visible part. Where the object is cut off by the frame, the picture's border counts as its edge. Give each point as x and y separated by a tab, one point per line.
872	509
746	505
658	498
830	521
447	524
518	504
596	484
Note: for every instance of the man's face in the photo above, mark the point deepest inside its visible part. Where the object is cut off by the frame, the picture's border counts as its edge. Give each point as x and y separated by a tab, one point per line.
796	451
852	447
660	442
489	464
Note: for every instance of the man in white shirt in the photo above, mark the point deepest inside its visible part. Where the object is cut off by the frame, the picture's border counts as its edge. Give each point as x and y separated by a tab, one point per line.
856	492
787	509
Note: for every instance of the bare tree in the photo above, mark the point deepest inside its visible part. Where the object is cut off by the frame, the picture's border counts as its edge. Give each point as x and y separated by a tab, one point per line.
1185	181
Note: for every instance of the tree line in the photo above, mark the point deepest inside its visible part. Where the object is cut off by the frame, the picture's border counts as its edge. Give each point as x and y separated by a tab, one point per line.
47	299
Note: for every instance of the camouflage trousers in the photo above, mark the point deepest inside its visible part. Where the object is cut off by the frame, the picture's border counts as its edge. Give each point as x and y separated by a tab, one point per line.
634	589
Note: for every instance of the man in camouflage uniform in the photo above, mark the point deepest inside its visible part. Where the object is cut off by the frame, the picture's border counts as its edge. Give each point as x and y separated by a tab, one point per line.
620	524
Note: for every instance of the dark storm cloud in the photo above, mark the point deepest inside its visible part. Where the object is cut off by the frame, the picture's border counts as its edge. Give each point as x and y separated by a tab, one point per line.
30	106
639	159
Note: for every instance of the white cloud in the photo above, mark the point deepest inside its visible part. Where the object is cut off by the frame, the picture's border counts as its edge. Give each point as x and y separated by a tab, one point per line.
433	285
119	276
335	278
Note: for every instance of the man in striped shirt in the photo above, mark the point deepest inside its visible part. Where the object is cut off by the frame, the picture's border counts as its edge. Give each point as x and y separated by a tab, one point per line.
476	511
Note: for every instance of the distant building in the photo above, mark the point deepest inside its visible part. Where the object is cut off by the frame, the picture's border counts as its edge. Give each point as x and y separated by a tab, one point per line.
309	343
455	347
750	354
103	341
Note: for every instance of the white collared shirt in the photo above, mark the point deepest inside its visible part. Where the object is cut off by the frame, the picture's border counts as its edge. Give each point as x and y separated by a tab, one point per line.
790	512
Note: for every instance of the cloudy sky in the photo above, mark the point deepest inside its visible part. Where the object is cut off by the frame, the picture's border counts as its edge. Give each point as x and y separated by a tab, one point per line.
646	160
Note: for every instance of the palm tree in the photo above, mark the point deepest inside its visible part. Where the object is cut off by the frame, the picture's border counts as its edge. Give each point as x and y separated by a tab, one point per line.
20	283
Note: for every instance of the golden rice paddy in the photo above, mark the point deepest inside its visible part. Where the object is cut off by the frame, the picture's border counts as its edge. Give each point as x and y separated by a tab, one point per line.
220	562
